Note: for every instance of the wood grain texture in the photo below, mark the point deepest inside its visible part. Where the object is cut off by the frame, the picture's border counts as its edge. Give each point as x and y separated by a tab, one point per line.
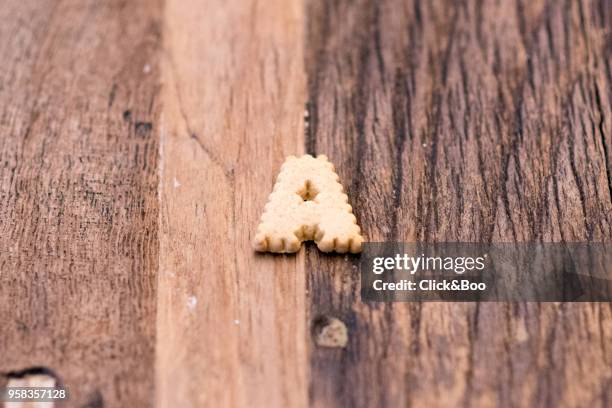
230	322
139	141
463	121
78	196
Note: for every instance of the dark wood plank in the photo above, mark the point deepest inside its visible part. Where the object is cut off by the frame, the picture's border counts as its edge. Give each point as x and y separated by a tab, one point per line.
463	121
79	89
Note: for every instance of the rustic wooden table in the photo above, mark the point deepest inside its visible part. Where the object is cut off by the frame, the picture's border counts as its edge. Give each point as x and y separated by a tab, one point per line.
140	139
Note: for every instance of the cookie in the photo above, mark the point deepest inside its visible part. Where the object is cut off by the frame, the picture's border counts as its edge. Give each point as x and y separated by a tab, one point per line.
308	203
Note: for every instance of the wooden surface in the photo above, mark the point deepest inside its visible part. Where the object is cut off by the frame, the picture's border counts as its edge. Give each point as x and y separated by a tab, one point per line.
78	195
463	121
139	141
231	323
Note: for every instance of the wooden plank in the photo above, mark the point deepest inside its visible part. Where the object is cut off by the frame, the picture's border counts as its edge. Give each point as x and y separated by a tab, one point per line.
462	121
230	322
78	196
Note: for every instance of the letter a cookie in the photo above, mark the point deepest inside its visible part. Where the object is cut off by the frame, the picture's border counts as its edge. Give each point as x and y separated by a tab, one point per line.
308	203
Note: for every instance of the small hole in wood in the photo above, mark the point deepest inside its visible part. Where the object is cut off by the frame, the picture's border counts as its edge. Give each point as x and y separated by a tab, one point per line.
329	332
36	376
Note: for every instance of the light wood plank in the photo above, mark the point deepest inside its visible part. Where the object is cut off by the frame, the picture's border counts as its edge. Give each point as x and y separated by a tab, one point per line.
231	323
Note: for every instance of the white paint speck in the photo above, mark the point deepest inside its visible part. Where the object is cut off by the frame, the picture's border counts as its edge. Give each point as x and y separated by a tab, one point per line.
424	144
192	302
146	69
521	333
236	321
175	183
